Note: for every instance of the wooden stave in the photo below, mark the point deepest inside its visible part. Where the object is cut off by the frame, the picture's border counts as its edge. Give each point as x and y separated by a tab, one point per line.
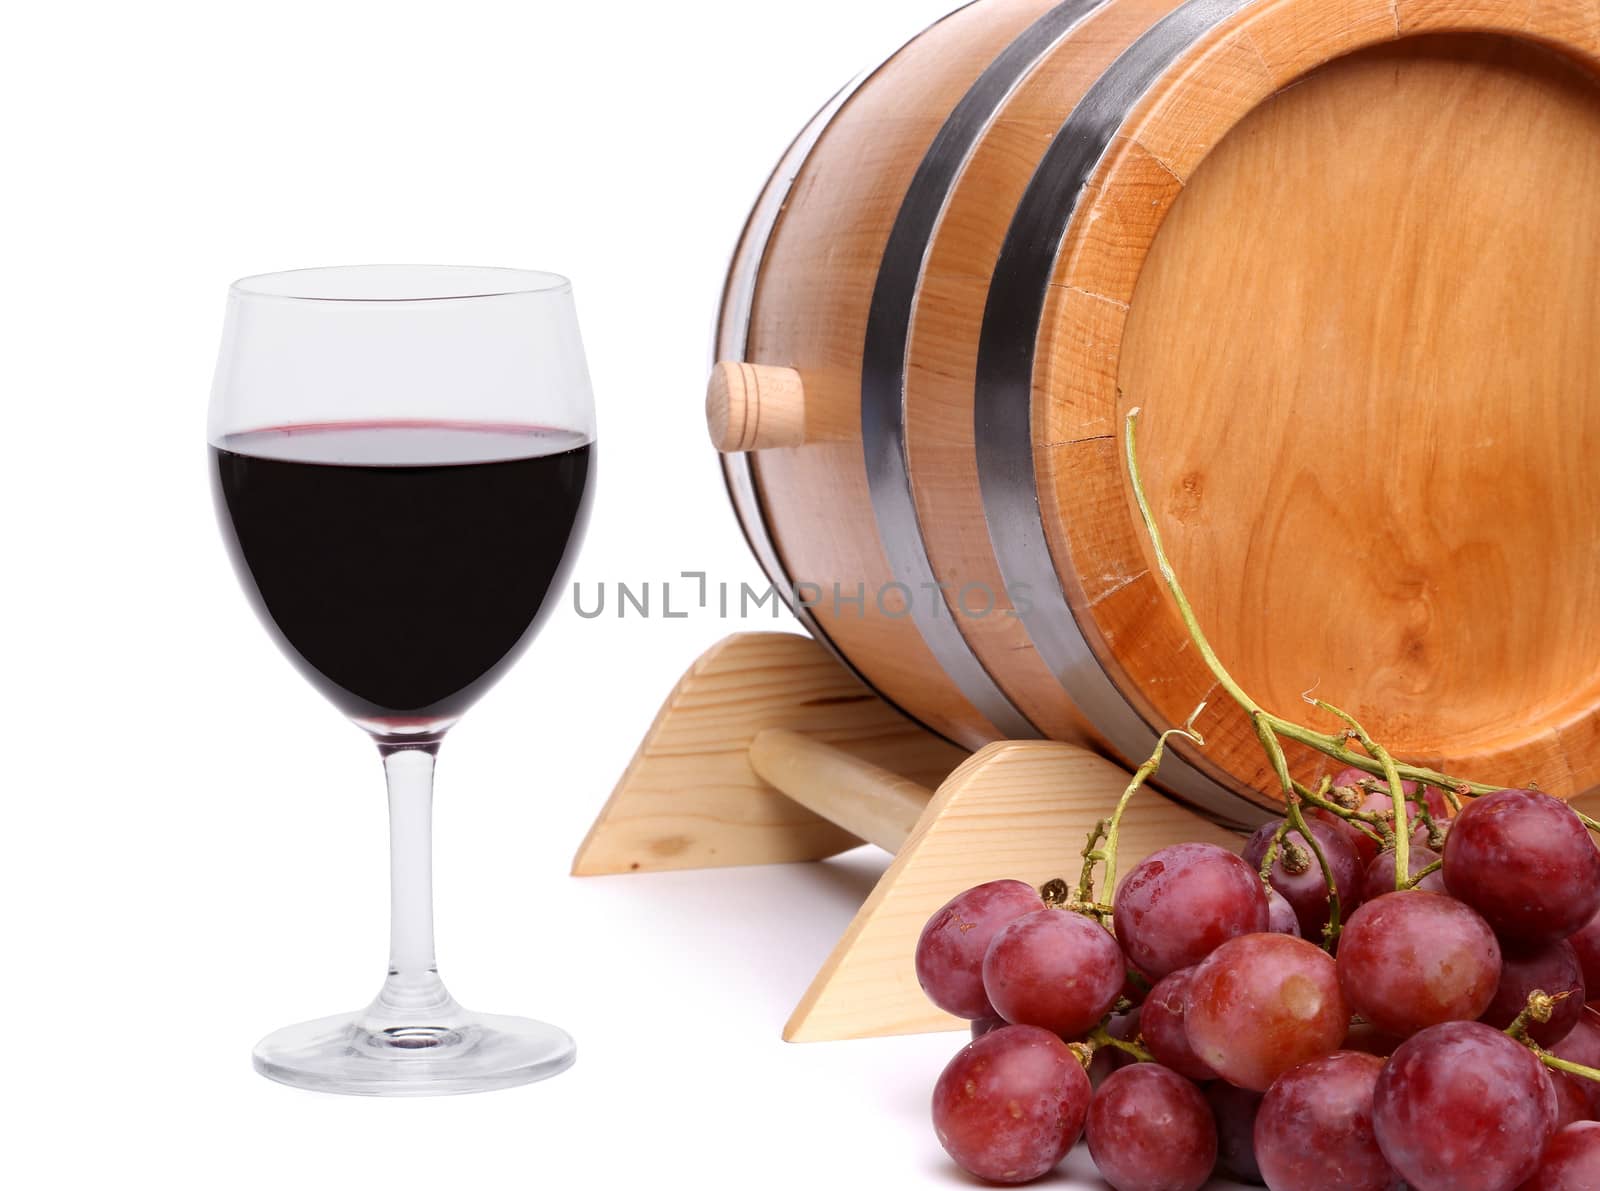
942	350
810	309
885	351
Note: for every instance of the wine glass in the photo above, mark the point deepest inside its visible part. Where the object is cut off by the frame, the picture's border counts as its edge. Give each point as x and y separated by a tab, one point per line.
402	459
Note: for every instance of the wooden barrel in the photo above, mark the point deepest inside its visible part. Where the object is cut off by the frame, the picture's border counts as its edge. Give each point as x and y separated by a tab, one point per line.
1345	254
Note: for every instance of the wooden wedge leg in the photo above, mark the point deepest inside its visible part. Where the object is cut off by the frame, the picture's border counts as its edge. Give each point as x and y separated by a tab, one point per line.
1015	809
690	798
770	751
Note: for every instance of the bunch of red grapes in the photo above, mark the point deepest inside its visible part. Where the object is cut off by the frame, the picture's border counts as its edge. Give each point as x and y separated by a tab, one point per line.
1229	1014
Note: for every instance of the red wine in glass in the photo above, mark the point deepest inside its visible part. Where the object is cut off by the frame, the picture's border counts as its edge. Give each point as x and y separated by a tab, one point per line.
403	566
401	460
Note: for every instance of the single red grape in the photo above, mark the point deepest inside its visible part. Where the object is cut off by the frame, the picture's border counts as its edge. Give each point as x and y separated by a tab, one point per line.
1571	1161
1297	875
950	952
1463	1107
1586	942
1161	1022
1379	878
1011	1104
1183	903
1315	1127
1151	1130
1572	1103
1281	918
1582	1046
1262	1004
1054	968
1551	969
1412	960
1525	862
1235	1112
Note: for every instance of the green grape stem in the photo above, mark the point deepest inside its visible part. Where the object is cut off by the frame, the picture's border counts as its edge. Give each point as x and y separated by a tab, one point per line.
1270	857
1092	854
1426	821
1402	828
1423	874
1371	823
1104	839
1539	1009
1544	1056
1296	819
1100	1036
1367	821
1578	1069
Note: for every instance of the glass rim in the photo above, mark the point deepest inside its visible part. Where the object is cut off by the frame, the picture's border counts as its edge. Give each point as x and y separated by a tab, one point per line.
429	283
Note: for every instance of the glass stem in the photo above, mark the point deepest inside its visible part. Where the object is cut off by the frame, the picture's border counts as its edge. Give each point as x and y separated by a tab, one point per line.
413	994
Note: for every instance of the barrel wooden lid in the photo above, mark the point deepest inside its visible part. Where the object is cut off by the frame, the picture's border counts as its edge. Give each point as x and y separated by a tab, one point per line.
1363	323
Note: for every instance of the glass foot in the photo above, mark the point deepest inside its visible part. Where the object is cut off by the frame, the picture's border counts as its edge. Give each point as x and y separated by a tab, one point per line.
472	1053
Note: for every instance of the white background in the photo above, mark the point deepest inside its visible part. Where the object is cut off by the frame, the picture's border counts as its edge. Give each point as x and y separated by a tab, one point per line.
194	847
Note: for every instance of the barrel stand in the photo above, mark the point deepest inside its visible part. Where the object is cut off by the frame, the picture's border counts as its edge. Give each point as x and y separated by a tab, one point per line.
768	752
